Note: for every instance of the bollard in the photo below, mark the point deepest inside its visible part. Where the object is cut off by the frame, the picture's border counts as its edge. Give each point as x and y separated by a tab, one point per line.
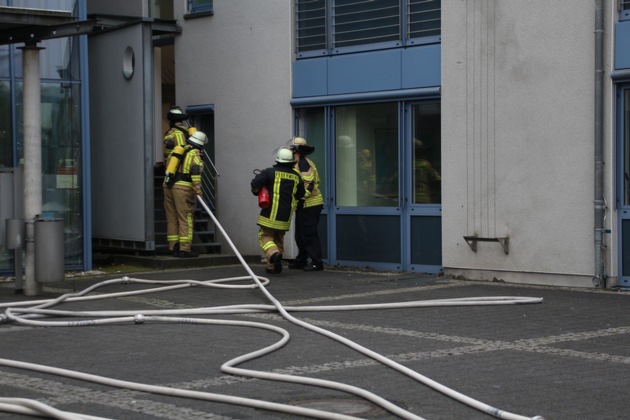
49	250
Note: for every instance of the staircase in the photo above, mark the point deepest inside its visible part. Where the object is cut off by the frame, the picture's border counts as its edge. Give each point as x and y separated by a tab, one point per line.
204	233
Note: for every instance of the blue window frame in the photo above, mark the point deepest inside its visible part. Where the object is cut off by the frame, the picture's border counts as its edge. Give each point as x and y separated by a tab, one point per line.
200	6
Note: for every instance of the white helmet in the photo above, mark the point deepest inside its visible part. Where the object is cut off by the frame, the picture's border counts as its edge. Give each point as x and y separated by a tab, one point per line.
285	155
198	139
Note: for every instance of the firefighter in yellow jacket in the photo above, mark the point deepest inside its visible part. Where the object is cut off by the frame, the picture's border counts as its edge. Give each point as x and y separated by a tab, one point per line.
285	189
178	131
180	193
309	257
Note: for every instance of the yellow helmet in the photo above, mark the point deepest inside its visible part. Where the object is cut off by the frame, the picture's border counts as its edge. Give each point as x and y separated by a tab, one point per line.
301	145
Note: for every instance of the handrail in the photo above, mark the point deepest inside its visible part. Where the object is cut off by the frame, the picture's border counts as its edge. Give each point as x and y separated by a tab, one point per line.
209	181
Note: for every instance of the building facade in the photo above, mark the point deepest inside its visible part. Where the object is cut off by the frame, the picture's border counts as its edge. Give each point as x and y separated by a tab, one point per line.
485	139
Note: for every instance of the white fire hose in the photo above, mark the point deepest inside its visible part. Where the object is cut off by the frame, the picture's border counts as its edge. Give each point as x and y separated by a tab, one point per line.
37	311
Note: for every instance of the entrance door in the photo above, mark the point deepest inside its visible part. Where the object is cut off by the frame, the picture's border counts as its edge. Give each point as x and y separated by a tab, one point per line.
366	212
422	220
122	127
380	169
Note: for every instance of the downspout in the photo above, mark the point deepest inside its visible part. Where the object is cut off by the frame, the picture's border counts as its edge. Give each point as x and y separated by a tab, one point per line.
600	204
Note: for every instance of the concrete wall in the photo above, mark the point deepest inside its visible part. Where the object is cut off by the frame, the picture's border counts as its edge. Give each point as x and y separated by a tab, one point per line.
517	131
239	60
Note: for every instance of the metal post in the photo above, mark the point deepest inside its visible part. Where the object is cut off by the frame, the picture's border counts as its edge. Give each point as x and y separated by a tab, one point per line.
599	279
32	159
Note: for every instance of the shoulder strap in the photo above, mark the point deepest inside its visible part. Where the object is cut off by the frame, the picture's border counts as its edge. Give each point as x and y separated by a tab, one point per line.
183	130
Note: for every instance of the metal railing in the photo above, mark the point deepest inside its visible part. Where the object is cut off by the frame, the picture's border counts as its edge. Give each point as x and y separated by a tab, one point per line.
209	181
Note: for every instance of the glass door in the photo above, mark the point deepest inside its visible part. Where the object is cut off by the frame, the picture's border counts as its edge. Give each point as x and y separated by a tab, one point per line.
380	166
422	234
367	185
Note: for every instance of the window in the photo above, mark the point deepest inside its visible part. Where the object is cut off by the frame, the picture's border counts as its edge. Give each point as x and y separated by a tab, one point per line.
6	132
365	22
311	29
367	155
312	127
336	26
423	18
626	146
200	6
426	176
61	159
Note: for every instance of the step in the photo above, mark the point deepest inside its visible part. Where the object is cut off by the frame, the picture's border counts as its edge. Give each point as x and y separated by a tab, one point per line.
204	248
160	262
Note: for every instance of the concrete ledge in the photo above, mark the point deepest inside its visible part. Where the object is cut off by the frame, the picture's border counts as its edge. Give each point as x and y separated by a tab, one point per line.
521	277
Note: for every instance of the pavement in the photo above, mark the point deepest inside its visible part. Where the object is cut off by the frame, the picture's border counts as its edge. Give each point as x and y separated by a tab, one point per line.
567	357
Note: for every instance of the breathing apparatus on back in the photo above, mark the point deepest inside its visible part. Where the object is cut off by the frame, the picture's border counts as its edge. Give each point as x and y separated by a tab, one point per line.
177	155
198	140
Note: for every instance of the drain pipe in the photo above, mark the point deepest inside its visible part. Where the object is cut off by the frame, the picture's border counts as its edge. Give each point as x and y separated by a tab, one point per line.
600	205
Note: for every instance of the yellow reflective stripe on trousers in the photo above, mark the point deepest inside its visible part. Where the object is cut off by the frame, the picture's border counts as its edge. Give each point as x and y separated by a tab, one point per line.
188	238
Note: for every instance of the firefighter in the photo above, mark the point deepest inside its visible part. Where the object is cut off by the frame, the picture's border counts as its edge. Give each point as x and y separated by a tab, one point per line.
285	189
180	198
308	210
426	178
177	132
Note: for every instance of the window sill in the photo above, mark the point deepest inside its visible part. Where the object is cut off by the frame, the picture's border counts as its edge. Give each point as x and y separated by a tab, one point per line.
196	15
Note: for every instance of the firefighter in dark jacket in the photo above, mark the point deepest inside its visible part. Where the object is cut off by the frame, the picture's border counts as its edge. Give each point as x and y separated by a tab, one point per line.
180	193
285	189
308	210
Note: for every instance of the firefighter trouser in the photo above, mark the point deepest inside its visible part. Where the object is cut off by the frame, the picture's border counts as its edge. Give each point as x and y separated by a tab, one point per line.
271	241
307	235
179	203
172	231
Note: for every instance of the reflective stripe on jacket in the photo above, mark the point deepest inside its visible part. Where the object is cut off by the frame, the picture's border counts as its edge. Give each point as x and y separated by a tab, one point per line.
189	172
175	136
285	188
308	171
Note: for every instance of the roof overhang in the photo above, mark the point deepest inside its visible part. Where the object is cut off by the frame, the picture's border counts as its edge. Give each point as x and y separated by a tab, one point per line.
24	25
29	26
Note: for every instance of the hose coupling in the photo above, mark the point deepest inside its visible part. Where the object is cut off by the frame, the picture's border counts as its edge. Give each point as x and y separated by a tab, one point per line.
125	280
138	319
